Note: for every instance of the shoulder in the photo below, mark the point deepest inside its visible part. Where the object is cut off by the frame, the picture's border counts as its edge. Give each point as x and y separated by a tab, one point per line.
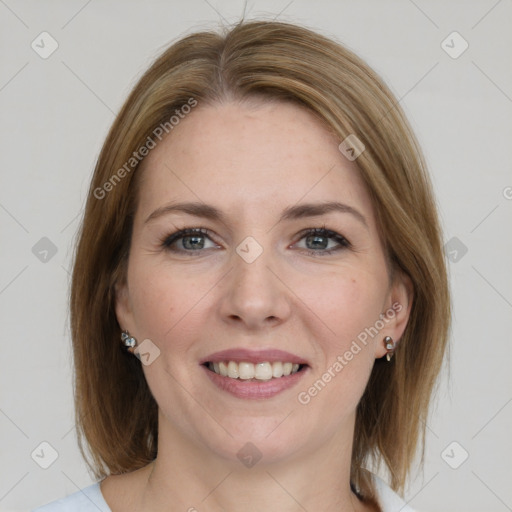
388	499
89	499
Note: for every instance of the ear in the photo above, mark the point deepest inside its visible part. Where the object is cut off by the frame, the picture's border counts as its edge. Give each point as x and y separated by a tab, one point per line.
123	306
397	309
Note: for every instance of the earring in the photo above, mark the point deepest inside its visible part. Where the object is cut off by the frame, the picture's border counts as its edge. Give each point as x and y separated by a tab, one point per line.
390	345
128	341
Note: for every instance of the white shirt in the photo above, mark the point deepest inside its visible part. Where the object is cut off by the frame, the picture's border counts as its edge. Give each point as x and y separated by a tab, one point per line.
90	499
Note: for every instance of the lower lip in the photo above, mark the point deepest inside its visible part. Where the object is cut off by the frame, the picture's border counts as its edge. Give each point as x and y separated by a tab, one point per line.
253	389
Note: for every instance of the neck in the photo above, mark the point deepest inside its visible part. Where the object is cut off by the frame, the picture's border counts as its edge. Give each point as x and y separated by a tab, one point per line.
187	475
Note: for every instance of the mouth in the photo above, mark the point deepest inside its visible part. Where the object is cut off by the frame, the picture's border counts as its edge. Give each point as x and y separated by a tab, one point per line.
254	372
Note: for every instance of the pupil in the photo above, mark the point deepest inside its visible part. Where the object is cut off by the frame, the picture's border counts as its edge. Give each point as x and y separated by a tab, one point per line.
316	238
196	242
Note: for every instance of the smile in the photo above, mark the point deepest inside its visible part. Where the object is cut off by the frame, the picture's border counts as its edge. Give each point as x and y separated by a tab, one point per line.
254	381
249	371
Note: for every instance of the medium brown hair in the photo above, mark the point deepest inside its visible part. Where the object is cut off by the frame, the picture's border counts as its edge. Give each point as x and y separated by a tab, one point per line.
116	413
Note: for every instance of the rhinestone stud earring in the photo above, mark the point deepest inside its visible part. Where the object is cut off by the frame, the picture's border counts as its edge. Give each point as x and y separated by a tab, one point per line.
128	341
390	345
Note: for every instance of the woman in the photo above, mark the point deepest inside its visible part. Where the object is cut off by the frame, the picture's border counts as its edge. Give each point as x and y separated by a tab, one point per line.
259	302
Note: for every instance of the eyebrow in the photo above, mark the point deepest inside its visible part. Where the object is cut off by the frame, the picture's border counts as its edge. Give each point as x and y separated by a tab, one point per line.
291	213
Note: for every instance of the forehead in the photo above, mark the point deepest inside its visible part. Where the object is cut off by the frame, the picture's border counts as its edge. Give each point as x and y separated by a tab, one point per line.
250	158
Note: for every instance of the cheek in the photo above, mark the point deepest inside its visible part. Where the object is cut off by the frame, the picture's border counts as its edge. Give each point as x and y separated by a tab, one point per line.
347	303
351	308
167	302
155	298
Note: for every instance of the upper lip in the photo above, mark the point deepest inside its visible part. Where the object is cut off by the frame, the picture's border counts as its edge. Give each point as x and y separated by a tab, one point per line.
253	356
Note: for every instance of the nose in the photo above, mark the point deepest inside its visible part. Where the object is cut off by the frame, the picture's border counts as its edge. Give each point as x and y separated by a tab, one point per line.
254	293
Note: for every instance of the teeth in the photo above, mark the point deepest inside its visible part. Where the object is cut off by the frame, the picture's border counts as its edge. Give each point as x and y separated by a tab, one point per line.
232	370
223	367
248	371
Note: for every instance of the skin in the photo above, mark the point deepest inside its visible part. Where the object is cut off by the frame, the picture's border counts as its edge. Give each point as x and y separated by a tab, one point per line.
252	161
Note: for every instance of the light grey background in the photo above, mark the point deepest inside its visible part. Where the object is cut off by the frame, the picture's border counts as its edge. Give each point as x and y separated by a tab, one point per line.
55	113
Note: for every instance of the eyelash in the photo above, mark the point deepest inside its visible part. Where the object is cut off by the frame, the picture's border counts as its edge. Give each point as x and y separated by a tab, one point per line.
167	242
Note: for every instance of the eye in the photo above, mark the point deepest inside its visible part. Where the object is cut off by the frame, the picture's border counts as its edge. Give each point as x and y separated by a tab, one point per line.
191	239
194	240
319	239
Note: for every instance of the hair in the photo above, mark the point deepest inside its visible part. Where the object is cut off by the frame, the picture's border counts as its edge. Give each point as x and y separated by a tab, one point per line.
116	414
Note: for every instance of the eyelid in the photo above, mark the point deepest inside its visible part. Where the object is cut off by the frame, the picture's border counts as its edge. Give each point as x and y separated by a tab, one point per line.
341	240
324	231
182	233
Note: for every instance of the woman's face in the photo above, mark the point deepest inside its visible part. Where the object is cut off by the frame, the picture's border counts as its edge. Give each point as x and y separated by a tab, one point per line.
257	280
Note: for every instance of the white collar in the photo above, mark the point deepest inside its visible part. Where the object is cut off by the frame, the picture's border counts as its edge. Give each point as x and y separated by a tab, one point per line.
388	499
